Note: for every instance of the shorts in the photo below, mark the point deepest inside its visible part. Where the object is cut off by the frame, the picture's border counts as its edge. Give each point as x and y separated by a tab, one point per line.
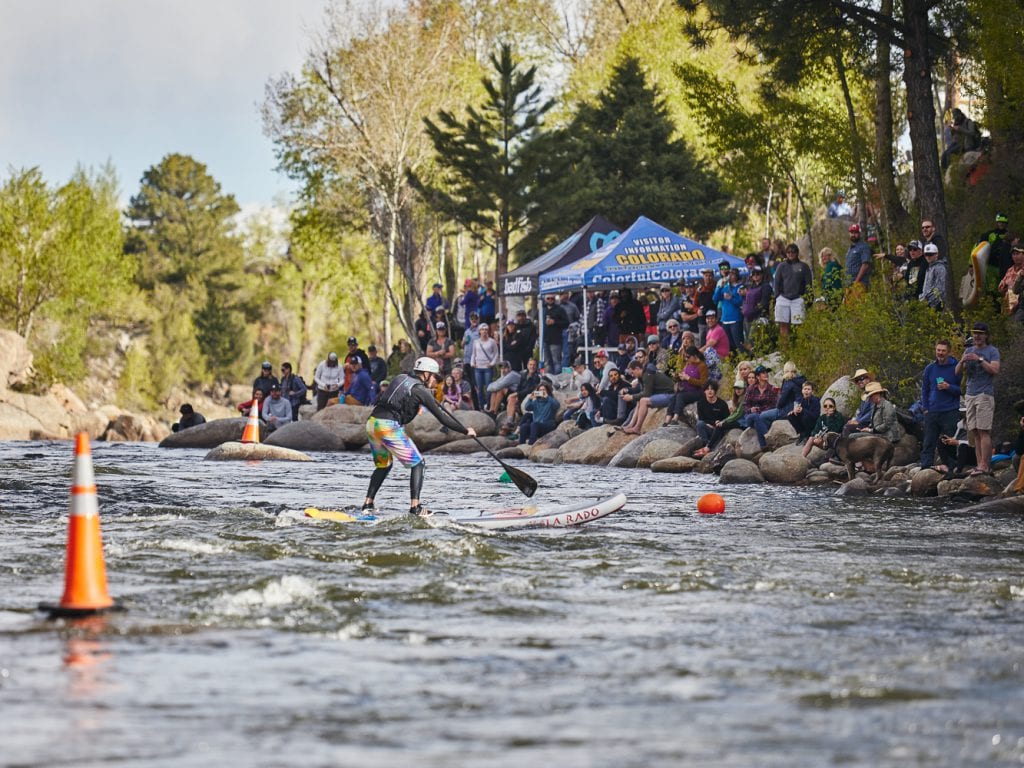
387	439
789	310
981	410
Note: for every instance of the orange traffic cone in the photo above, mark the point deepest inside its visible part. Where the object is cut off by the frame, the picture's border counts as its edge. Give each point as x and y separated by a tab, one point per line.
85	575
252	429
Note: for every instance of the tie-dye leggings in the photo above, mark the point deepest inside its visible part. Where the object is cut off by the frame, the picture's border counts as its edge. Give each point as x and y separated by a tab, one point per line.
387	439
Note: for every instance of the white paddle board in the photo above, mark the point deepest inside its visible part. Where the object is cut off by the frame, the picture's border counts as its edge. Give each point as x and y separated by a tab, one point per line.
536	516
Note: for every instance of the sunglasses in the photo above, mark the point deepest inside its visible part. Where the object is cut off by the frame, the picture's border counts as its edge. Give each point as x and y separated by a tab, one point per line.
828	407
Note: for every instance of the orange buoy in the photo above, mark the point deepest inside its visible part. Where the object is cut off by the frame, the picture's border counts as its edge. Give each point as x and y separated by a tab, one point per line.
711	504
252	428
85	573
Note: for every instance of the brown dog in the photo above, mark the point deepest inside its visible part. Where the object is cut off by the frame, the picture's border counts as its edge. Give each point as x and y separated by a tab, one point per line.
867	449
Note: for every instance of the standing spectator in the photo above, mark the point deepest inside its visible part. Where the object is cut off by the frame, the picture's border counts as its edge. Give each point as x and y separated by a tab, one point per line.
716	338
915	270
631	315
572	334
729	300
555	323
792	280
327	380
940	400
858	259
613	331
293	389
998	239
670	307
485	357
756	300
488	307
423	330
441	349
981	363
831	277
705	301
470	301
523	341
964	136
934	290
436	299
401	358
597	307
929	235
766	251
265	380
276	411
469	338
189	418
378	368
1012	284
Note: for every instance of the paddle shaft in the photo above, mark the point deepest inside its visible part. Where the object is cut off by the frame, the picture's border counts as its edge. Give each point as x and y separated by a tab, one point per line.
522	481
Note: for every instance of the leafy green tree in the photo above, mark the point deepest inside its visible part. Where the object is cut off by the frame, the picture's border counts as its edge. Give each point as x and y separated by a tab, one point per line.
60	264
181	233
620	156
486	168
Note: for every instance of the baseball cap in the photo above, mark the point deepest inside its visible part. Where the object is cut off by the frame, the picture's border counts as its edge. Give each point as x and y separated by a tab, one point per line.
711	313
983	327
931	248
333	356
914	245
854	229
1001	217
438	325
601	353
266	365
653	339
762	369
438	285
352	340
756	270
860	372
275	387
1019	248
723	263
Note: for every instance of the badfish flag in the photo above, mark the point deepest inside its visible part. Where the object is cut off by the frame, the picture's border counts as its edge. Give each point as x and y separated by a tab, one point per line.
645	253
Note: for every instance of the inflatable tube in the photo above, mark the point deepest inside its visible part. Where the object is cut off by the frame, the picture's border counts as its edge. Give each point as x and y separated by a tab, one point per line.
972	286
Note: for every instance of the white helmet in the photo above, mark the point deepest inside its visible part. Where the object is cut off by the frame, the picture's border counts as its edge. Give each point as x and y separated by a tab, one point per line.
427	364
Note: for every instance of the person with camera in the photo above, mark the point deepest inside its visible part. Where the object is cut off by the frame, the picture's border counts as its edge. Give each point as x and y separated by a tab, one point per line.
981	363
940	400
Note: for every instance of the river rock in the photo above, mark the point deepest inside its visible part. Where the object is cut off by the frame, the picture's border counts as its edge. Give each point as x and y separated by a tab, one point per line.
816	456
717	459
780	433
594	446
514	452
342	414
846	394
859	486
835	471
783	467
817	477
925	482
311	436
658	449
131	427
740	471
1002	505
906	451
208	435
748	446
629	456
675	464
234	451
554	439
970	487
477	420
546	456
469	445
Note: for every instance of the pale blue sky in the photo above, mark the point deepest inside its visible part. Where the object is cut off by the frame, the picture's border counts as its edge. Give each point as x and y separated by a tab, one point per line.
86	81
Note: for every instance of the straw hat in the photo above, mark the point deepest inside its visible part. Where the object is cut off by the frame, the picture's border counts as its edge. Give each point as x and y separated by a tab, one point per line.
874	388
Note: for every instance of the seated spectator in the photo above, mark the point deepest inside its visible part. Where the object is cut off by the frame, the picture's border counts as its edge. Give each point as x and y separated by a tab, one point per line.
672	339
584	409
401	359
792	381
609	394
453	396
829	420
501	387
378	367
539	412
883	414
689	386
189	418
464	388
528	382
804	413
658	392
760	398
958	442
1012	285
246	407
630	395
276	410
360	389
862	418
711	411
716	337
732	421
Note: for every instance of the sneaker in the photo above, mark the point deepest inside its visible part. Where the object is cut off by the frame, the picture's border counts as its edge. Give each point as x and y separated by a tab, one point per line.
420	511
367	507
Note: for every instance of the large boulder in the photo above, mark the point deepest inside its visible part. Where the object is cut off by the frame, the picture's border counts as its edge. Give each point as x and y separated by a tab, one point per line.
925	482
780	433
477	420
554	439
659	449
739	472
308	436
16	424
54	420
234	451
594	446
130	427
353	435
208	435
906	451
342	414
784	466
514	452
15	361
846	394
469	445
748	447
629	456
859	486
676	464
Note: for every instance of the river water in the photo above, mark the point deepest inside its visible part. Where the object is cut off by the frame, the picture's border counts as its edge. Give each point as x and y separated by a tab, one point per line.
797	629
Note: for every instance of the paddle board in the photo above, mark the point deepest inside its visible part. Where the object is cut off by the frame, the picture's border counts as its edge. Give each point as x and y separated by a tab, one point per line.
338	515
535	516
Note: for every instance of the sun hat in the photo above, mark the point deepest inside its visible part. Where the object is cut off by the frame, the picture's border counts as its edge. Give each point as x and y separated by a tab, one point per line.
859	373
874	388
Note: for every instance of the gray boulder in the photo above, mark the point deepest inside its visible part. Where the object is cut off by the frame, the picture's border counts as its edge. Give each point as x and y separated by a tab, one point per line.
780	433
782	466
514	452
659	449
546	456
469	445
859	486
342	414
352	435
740	471
817	477
748	447
209	435
675	464
629	456
233	451
594	446
308	436
906	451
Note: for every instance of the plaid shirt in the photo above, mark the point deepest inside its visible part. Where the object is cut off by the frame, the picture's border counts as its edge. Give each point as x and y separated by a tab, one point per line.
757	401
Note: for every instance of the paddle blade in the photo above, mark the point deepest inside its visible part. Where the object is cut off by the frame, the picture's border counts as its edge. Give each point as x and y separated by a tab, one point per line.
523	481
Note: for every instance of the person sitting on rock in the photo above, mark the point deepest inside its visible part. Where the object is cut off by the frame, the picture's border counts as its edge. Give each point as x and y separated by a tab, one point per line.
883	415
539	412
630	396
276	411
760	398
711	412
658	392
246	407
805	412
189	418
721	426
829	420
609	394
792	381
528	382
690	385
360	388
583	409
506	383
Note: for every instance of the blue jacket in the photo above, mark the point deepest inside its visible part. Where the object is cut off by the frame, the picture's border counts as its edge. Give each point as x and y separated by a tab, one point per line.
730	307
789	393
933	399
361	387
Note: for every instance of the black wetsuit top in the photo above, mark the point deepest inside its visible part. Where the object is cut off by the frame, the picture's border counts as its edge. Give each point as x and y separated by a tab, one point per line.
403	400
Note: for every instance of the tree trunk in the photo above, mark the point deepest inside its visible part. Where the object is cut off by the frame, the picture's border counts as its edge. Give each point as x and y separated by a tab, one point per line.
851	115
894	215
917	76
